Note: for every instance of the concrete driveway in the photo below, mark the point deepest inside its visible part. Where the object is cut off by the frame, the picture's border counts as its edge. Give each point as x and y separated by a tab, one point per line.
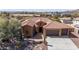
60	43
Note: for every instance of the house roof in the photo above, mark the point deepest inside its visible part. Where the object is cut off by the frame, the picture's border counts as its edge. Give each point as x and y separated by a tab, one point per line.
34	20
28	22
57	25
49	24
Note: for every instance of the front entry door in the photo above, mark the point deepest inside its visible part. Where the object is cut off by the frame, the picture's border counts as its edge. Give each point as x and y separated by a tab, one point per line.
40	29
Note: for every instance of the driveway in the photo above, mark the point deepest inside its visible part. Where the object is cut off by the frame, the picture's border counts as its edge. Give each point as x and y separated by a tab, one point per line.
60	43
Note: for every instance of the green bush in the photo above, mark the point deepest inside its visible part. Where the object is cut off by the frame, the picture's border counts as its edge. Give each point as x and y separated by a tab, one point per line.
9	28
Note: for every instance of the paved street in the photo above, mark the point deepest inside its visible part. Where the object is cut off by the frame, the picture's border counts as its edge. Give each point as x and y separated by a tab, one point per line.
60	44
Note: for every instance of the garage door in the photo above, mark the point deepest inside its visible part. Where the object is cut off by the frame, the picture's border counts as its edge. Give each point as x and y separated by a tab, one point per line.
52	32
64	31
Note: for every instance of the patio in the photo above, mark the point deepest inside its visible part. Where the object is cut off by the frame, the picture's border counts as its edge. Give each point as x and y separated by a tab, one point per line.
60	43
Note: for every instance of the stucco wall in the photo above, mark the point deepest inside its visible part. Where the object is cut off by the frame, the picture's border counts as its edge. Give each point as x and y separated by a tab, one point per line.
74	38
27	30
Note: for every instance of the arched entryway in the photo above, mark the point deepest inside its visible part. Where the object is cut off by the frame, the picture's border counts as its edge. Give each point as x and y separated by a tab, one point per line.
40	25
34	31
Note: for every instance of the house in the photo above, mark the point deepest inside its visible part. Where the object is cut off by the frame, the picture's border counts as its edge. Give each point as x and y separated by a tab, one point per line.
31	27
76	24
66	20
76	21
76	28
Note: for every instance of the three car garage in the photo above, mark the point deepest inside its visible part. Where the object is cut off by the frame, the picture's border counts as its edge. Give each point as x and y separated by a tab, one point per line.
46	27
57	29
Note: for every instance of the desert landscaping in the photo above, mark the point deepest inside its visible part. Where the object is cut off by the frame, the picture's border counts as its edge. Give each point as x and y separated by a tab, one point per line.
39	30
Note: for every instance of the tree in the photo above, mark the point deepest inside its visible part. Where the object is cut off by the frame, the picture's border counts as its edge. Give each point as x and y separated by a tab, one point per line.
9	28
3	28
75	14
55	18
14	27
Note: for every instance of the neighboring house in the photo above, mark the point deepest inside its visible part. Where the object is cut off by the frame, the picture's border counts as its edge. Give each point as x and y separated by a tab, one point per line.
76	28
66	20
76	21
45	26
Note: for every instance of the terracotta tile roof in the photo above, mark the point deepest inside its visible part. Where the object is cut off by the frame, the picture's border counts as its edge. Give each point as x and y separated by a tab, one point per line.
27	22
56	25
34	20
50	24
37	19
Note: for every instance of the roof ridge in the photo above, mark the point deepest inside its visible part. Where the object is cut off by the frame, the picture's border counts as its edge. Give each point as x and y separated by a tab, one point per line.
47	24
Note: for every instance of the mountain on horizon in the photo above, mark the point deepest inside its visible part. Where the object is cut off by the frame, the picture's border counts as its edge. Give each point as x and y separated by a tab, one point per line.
35	10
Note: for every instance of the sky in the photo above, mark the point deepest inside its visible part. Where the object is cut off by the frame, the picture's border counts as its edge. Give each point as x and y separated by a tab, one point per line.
36	10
